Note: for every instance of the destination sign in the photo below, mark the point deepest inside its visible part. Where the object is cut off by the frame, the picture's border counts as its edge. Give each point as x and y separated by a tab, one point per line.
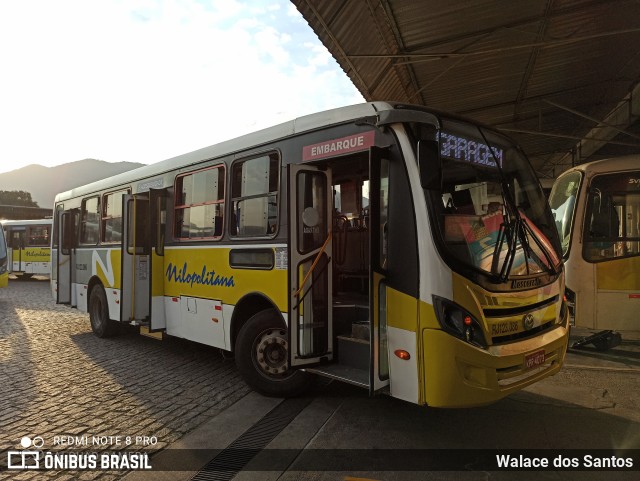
468	150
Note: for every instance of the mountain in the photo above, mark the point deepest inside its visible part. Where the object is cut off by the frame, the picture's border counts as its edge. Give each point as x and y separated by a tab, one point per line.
43	183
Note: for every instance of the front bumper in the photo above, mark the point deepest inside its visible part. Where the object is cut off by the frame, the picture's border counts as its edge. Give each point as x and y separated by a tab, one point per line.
476	376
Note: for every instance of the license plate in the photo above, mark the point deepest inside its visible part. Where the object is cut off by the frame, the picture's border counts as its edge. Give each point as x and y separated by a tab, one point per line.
533	360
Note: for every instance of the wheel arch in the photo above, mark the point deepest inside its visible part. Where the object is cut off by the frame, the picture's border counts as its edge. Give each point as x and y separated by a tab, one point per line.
248	306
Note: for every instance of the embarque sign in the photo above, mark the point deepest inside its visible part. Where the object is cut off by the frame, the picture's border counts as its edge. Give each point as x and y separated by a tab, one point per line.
344	145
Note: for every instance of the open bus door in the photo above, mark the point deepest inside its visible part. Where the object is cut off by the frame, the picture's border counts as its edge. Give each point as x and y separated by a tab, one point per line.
65	260
157	225
16	245
378	218
363	362
310	266
135	282
12	250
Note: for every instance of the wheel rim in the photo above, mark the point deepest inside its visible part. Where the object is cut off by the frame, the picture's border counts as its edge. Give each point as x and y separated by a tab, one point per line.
96	312
271	354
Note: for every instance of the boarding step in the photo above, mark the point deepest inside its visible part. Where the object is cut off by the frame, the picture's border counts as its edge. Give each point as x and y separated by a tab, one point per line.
158	335
340	372
346	312
353	352
139	322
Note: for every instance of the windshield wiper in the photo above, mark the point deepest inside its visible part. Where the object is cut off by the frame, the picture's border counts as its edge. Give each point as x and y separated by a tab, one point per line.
516	228
511	230
531	234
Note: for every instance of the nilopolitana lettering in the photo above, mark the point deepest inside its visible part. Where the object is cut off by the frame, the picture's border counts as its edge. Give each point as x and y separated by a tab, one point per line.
34	253
205	277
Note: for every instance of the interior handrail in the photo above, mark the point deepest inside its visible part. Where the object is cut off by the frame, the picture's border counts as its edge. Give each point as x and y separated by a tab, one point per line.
313	266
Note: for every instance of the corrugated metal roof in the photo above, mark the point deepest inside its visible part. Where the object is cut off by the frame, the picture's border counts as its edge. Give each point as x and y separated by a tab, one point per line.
546	71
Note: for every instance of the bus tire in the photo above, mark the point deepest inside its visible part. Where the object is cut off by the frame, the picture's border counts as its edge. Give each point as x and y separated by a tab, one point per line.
101	324
262	357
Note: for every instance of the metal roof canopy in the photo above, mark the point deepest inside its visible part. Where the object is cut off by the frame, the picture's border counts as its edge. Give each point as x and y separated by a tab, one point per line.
560	76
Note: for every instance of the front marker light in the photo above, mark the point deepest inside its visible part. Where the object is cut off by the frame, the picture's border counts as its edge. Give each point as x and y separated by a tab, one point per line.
458	322
402	354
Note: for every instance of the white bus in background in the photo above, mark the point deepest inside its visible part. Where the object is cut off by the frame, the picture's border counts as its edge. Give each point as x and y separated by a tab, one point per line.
596	207
29	246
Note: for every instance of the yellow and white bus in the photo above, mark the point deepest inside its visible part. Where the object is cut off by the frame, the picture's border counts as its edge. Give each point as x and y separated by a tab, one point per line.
29	244
4	260
389	246
597	211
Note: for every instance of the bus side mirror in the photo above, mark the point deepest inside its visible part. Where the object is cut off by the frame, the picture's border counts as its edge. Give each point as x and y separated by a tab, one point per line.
429	165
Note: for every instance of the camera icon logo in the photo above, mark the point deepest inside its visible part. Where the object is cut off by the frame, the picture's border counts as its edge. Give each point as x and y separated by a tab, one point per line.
26	459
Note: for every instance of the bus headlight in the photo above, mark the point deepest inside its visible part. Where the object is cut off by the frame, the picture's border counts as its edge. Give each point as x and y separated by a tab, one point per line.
459	322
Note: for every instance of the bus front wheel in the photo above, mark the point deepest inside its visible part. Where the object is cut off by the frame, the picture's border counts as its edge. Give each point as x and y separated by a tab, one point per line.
101	324
262	357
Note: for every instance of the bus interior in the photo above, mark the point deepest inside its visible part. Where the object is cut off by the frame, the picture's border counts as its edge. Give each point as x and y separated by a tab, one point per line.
350	283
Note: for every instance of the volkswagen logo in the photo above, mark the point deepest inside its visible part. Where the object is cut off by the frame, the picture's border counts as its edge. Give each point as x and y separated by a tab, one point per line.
527	322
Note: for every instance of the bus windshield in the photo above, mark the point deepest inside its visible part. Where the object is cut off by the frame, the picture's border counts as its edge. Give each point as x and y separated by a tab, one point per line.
491	211
562	201
3	246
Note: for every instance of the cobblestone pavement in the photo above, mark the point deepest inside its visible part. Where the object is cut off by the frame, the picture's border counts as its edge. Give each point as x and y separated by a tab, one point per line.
58	379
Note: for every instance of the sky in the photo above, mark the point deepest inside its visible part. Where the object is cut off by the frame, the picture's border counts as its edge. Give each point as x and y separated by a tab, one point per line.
146	80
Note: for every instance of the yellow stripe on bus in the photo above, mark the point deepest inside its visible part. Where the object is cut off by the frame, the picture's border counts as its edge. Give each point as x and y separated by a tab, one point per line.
402	310
619	274
206	273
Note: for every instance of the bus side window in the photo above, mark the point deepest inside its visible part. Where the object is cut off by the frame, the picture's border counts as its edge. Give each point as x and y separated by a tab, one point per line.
604	218
199	207
254	196
90	221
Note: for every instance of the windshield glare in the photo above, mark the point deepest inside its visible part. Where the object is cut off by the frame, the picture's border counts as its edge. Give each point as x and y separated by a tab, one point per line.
562	201
490	217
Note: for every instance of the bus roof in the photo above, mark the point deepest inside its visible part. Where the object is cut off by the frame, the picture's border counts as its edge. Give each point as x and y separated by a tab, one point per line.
627	162
255	139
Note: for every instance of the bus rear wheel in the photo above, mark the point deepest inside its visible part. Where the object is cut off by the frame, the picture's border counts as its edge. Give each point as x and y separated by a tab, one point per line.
101	324
262	357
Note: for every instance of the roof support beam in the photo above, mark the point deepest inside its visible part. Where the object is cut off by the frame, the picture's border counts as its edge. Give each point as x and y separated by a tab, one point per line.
522	22
533	57
563	136
624	113
544	44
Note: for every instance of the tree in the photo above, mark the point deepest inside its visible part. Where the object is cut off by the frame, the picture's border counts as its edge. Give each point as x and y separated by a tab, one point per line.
17	197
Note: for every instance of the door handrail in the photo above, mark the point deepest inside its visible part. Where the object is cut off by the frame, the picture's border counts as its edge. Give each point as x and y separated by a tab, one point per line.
313	266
